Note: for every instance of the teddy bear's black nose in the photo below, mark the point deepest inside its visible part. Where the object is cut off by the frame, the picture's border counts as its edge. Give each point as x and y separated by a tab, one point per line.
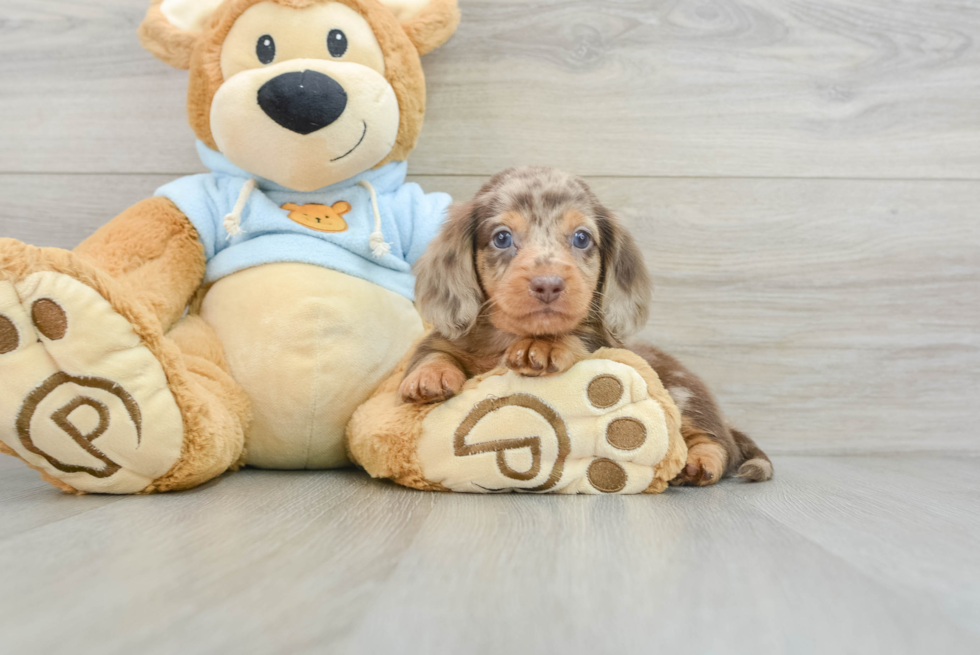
303	102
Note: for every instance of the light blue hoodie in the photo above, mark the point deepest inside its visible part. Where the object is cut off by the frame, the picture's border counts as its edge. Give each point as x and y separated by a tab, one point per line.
410	219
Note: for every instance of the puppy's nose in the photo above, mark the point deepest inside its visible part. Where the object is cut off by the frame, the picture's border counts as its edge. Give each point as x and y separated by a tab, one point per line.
547	288
303	102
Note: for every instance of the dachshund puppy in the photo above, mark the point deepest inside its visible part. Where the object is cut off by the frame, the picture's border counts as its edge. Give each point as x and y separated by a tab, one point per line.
534	273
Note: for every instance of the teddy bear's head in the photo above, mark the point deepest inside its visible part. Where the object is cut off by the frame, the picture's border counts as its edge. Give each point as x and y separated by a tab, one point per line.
305	93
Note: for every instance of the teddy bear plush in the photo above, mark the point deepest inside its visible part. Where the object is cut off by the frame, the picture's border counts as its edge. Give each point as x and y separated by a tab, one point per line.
242	316
296	250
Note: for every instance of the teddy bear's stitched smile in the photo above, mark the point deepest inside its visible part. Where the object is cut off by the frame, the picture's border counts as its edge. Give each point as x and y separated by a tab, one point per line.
359	142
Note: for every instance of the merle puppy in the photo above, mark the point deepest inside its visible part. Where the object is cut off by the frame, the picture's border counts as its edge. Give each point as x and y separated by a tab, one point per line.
533	273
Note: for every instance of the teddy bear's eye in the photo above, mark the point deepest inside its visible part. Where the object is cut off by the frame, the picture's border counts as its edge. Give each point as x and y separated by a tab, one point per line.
265	49
337	43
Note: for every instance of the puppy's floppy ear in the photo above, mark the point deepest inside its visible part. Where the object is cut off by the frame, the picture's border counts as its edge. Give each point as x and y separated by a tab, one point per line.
172	28
626	287
447	290
428	23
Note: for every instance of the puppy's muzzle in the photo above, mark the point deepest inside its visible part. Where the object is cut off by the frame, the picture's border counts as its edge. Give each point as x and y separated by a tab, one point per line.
547	288
303	102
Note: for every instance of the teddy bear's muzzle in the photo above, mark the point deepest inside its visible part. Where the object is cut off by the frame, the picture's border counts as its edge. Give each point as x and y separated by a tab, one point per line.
303	102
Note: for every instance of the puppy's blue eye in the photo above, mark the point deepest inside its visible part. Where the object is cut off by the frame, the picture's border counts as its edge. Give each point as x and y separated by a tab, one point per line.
337	43
265	49
503	240
582	240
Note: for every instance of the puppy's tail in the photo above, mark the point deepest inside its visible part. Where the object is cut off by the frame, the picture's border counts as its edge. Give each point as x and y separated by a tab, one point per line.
756	466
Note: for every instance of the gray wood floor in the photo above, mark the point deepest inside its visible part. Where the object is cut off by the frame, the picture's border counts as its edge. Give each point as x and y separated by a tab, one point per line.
873	554
804	180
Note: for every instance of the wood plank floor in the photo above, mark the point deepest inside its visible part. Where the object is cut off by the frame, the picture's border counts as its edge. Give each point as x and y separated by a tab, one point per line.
836	555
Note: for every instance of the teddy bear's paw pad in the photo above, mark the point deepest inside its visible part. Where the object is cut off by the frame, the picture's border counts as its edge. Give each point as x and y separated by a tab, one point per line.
593	429
82	399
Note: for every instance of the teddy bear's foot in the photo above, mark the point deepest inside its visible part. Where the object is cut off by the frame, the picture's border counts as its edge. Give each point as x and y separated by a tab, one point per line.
597	428
82	399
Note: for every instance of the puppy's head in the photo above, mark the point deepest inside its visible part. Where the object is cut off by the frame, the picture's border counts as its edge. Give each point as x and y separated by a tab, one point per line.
539	254
305	93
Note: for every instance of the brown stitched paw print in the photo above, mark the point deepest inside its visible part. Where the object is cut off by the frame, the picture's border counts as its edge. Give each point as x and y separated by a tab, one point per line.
595	429
82	399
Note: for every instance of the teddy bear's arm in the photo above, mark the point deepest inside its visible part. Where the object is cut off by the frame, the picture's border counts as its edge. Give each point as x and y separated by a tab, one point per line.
155	251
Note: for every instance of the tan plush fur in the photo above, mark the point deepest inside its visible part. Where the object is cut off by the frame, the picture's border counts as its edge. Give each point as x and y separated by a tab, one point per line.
383	434
433	27
213	408
153	250
216	410
164	41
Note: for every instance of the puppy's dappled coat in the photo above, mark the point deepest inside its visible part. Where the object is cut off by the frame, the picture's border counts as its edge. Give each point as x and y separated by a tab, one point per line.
535	273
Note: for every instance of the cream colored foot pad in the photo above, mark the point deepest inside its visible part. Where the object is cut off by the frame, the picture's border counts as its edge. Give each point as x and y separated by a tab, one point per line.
594	429
82	398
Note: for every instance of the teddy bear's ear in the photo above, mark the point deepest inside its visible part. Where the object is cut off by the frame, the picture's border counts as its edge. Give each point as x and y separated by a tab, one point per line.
172	28
428	23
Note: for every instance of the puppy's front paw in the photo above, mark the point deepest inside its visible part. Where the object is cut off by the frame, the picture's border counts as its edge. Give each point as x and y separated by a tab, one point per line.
432	383
533	357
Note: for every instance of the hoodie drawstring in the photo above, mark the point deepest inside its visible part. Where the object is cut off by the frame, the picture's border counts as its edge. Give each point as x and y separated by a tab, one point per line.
379	248
233	221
